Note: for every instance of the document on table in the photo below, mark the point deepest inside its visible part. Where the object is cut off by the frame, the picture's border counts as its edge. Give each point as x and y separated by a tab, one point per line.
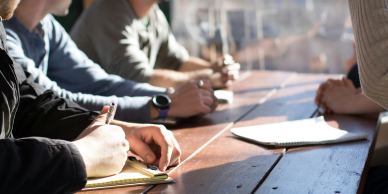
224	96
297	133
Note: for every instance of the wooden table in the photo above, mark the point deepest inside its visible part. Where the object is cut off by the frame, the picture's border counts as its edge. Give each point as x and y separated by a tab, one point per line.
214	161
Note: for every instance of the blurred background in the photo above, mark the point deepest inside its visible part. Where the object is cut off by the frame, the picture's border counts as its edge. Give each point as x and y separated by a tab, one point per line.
313	36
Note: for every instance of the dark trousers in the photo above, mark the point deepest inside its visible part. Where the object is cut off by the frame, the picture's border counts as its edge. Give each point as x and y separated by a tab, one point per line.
377	181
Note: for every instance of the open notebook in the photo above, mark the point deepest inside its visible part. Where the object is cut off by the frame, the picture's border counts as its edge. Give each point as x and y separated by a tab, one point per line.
297	133
134	172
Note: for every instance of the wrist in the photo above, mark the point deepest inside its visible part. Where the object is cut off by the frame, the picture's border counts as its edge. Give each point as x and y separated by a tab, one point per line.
171	112
161	102
154	113
83	152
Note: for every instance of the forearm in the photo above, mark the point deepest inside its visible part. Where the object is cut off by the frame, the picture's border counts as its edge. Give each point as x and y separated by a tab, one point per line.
129	109
169	78
194	63
360	104
370	21
97	82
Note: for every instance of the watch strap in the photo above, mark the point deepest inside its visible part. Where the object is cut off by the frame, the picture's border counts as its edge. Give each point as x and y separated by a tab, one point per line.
163	113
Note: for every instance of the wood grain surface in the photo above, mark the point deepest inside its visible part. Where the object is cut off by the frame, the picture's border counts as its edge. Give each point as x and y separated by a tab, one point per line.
294	101
336	168
230	165
215	161
195	132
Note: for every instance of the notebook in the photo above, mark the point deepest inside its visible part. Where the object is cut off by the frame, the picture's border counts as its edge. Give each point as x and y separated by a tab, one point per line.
134	172
297	133
224	96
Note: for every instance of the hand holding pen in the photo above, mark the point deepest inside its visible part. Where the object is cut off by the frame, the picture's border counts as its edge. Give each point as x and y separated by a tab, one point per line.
102	146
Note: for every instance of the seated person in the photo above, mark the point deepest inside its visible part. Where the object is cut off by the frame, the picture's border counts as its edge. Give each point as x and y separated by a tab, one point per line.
43	48
82	145
370	21
345	96
132	39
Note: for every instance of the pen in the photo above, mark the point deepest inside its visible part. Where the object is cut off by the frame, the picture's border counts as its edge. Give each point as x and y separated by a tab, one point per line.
111	113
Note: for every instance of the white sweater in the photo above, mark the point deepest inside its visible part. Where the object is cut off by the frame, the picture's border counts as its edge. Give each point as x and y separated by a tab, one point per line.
370	24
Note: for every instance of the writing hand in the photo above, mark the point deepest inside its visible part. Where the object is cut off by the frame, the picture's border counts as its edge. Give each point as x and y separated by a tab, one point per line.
103	147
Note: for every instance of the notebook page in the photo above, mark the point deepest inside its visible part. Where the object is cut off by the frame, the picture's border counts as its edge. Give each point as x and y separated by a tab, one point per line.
301	132
129	174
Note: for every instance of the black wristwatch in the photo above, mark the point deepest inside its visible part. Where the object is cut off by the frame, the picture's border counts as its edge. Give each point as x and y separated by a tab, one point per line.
162	102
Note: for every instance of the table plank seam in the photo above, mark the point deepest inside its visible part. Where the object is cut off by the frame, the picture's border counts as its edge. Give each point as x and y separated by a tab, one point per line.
202	147
268	96
314	114
260	102
367	162
269	171
283	85
148	189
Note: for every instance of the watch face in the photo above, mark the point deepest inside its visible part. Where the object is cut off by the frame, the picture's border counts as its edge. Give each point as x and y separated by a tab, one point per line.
162	101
